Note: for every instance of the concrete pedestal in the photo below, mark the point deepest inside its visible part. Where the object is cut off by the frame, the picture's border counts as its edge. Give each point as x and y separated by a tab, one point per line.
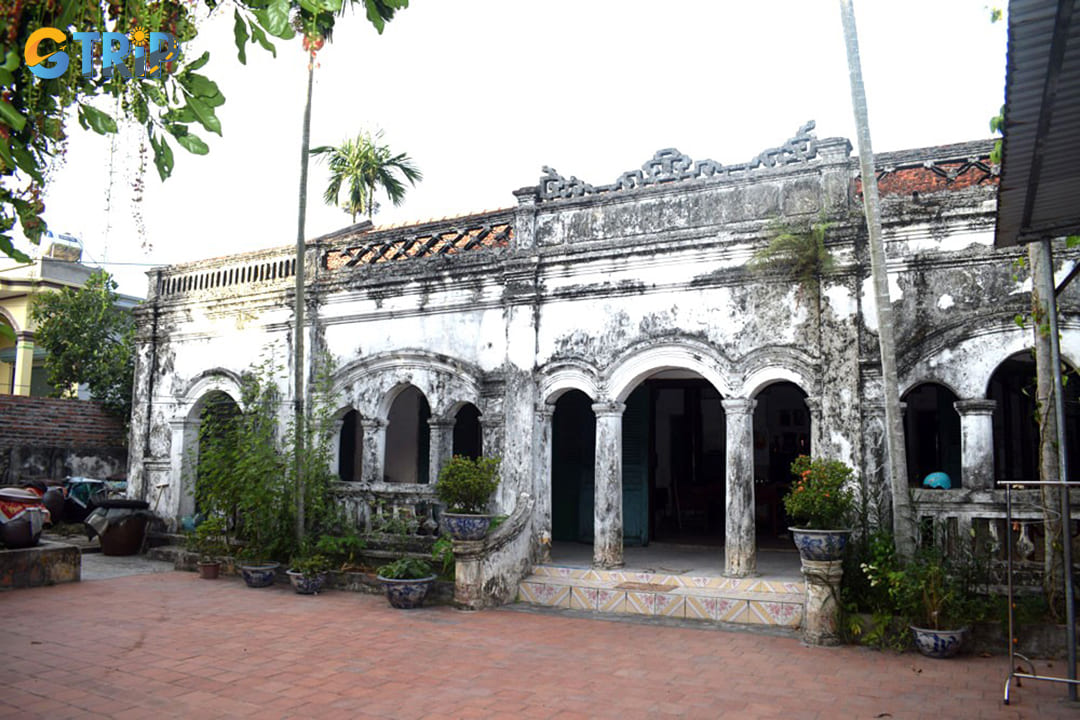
821	621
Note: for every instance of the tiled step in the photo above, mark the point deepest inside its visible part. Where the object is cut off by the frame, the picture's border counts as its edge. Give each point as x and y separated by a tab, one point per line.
754	601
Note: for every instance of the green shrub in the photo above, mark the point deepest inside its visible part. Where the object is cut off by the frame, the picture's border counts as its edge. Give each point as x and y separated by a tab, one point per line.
406	568
820	498
466	485
209	540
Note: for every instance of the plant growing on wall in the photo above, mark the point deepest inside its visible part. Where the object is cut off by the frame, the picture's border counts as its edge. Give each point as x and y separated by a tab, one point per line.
244	475
797	254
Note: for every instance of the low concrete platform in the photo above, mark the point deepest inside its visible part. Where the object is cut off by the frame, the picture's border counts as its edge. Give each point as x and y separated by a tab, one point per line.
47	563
674	581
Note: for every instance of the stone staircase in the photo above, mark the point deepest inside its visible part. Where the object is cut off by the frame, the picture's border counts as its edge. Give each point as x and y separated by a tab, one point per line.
776	601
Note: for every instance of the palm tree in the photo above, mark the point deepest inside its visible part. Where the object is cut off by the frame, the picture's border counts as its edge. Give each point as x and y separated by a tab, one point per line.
364	164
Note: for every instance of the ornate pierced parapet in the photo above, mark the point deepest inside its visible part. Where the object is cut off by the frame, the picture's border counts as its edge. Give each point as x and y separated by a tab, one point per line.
670	165
488	571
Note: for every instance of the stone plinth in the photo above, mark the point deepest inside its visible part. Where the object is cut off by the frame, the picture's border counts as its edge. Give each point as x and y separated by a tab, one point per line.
820	624
47	563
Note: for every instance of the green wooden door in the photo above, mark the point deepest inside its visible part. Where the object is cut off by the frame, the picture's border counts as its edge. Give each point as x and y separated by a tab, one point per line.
635	470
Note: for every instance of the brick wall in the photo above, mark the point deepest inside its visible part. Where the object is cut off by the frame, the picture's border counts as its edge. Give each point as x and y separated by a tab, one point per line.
47	437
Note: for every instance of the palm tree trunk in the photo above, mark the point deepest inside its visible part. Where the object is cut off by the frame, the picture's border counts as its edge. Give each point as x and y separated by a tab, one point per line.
903	518
298	329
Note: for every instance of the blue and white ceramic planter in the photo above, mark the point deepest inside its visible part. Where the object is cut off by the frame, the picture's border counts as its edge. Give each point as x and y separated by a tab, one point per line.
938	643
260	574
406	594
306	584
820	545
466	527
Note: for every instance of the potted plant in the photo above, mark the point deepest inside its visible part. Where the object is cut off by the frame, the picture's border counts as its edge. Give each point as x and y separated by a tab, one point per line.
820	502
465	487
406	581
208	541
932	599
307	573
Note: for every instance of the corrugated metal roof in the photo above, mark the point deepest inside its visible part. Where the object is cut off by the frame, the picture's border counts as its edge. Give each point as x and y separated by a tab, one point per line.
1039	195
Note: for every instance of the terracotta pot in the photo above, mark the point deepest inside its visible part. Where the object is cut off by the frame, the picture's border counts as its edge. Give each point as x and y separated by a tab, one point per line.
209	570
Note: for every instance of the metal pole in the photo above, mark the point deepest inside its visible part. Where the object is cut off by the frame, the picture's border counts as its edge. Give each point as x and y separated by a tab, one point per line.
1047	282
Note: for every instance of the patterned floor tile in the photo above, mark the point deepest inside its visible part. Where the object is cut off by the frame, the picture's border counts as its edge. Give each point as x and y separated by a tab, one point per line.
669	605
544	594
730	610
583	598
613	601
774	613
641	603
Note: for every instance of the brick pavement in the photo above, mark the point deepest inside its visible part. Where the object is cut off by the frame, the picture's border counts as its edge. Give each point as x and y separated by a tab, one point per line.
172	645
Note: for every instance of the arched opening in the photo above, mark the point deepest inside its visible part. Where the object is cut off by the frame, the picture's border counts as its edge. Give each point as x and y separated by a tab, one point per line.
351	447
674	461
781	434
468	440
215	443
408	438
573	458
932	433
1016	430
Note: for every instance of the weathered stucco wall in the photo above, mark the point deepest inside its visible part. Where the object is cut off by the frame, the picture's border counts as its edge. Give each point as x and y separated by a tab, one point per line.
596	288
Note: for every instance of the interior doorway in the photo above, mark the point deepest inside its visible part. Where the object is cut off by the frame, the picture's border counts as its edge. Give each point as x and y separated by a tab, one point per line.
781	434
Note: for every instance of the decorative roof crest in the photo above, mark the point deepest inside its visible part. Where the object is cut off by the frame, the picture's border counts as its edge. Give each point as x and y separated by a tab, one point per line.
670	165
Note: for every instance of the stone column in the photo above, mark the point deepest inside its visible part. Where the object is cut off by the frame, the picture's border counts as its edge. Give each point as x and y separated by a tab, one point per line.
441	446
374	452
178	499
607	514
542	489
817	432
821	623
740	551
976	443
24	363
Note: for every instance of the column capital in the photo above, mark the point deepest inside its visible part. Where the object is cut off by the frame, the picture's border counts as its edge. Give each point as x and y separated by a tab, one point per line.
977	406
545	410
739	406
24	336
813	405
441	422
607	409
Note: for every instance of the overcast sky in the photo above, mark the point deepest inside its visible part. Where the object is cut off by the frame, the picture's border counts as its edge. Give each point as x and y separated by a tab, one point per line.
483	93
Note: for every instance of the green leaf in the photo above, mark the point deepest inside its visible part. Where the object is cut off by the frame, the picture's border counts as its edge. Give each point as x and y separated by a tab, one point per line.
11	117
1072	241
198	63
241	34
11	61
260	37
163	157
156	94
201	85
275	19
6	78
5	155
101	123
25	160
7	248
190	142
205	115
6	333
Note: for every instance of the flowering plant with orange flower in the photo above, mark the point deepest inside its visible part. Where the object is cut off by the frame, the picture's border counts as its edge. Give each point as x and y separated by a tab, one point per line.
820	498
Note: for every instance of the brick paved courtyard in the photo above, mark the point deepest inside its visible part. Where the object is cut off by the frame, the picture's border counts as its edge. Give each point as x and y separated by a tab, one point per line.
172	645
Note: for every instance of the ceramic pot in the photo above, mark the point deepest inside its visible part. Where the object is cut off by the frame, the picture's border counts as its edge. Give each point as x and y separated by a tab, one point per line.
938	643
209	570
306	584
820	545
406	594
466	527
25	530
258	575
